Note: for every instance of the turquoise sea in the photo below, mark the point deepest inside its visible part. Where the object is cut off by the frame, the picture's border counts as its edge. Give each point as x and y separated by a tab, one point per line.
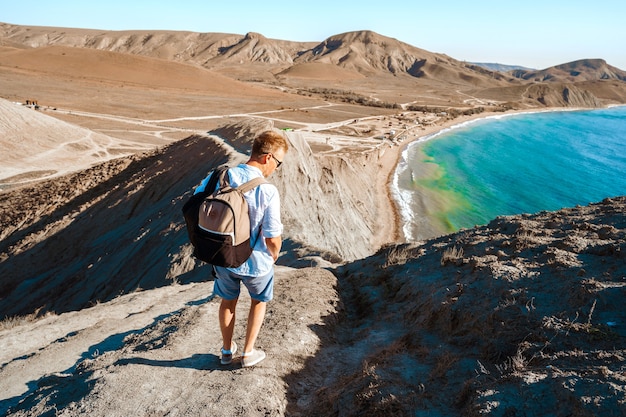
511	164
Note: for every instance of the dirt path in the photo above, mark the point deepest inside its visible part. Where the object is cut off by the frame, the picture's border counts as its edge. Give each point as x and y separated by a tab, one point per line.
157	352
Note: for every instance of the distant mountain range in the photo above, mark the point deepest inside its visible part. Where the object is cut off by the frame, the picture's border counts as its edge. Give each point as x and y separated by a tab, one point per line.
344	58
582	70
366	52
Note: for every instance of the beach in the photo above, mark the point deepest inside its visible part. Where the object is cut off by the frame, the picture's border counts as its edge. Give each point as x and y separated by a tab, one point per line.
428	201
536	161
393	231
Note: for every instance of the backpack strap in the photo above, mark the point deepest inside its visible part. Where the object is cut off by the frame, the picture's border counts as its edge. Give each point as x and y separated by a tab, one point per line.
217	175
247	186
253	183
222	174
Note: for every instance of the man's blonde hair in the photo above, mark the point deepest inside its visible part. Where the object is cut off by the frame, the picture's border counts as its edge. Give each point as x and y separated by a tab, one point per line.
268	142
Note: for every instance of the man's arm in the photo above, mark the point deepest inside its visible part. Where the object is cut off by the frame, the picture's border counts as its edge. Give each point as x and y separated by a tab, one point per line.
273	245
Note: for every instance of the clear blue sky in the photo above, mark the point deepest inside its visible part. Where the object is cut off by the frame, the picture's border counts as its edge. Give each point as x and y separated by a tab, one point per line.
536	34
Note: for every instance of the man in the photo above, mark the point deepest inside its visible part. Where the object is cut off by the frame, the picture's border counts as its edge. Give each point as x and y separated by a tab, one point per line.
257	273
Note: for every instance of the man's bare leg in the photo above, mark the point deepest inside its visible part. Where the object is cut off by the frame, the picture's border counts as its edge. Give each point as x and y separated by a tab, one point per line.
227	321
255	321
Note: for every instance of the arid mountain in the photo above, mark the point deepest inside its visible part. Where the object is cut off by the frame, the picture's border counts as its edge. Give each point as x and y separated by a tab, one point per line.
103	310
582	70
256	48
357	62
363	51
561	95
206	49
370	54
353	63
170	45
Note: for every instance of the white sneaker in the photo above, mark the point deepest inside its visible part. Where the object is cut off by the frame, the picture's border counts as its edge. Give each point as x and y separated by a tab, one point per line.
252	358
227	355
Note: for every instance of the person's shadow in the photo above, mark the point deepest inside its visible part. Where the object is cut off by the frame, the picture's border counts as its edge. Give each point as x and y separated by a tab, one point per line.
76	382
200	361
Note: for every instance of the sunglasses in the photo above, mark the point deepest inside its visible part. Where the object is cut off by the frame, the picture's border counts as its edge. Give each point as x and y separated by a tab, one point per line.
278	163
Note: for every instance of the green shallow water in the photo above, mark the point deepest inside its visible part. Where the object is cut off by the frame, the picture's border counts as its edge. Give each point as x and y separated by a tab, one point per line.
522	163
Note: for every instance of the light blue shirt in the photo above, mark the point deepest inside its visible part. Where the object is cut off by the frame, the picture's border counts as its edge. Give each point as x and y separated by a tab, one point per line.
264	208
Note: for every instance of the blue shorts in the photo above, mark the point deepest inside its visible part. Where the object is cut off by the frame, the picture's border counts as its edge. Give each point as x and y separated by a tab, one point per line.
227	285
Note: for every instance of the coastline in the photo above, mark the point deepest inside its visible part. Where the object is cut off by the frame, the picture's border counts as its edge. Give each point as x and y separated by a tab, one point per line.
427	203
388	204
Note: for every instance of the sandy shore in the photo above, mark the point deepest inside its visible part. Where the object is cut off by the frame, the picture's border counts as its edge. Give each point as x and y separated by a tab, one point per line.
388	206
388	163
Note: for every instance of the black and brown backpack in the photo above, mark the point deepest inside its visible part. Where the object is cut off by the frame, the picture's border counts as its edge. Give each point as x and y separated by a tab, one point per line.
218	221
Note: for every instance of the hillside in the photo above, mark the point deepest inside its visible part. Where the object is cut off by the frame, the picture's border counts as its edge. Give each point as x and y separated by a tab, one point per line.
29	138
123	84
366	60
119	67
582	70
369	53
181	46
135	203
523	315
481	322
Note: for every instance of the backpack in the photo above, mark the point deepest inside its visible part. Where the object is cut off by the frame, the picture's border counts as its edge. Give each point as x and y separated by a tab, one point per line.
218	222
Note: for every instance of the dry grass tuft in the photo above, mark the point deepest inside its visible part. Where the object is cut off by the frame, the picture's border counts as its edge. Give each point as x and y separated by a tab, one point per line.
15	321
452	255
401	254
